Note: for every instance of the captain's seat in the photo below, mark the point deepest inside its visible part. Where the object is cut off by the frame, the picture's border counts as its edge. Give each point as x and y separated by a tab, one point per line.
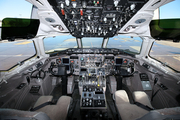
55	112
143	110
42	111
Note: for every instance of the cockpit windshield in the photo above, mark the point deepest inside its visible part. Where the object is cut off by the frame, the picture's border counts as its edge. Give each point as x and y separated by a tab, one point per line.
127	43
89	42
58	43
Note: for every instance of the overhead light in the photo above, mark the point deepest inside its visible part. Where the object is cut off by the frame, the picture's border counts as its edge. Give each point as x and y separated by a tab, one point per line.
139	21
61	28
58	27
51	20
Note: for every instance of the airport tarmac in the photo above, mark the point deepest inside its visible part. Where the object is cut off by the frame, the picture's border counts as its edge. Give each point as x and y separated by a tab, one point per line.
13	52
168	52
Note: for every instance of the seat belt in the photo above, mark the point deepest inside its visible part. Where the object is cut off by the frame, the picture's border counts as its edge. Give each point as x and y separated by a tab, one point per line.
41	106
143	106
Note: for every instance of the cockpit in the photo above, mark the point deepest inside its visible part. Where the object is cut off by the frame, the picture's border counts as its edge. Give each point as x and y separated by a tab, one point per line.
92	62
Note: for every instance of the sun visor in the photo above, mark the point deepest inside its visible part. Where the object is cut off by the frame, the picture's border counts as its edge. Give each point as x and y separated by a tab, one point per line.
165	29
17	28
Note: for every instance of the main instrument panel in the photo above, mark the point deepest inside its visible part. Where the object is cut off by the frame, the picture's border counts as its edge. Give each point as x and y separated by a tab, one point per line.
94	64
92	67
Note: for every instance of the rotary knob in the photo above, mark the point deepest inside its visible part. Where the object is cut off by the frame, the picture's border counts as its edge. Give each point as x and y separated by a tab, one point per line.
90	89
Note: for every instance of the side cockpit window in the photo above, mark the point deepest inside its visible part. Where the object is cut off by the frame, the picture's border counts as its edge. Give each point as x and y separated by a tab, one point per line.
165	29
15	9
167	52
13	53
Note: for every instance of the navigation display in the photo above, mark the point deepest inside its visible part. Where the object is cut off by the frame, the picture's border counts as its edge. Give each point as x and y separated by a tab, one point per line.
119	61
65	60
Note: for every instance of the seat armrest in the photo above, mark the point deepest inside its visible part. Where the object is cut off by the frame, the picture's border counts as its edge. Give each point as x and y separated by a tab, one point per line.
43	99
121	97
142	97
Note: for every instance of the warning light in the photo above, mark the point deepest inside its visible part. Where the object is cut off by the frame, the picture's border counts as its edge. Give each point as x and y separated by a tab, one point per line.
125	61
62	11
81	12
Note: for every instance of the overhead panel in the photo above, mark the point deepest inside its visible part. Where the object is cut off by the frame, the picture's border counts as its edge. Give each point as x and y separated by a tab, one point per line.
96	18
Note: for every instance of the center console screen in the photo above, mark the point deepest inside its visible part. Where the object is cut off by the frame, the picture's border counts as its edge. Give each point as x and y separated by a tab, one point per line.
92	70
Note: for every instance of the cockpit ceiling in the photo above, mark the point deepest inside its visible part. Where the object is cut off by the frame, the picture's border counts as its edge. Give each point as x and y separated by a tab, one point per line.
95	18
